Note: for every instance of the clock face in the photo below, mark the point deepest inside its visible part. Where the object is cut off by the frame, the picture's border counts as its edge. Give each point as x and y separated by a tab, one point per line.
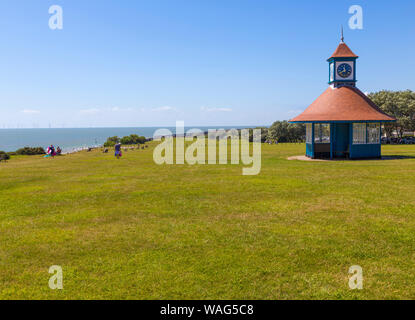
344	70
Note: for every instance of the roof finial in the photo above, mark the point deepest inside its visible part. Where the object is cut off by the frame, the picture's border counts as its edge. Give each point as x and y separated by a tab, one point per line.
342	38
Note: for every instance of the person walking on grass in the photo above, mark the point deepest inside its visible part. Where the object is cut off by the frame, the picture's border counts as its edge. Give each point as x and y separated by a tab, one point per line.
118	152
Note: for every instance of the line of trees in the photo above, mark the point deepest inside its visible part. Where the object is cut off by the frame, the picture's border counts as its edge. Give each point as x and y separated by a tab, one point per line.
401	105
127	140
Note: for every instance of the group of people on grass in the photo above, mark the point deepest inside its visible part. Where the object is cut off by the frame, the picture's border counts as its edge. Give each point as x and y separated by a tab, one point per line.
51	151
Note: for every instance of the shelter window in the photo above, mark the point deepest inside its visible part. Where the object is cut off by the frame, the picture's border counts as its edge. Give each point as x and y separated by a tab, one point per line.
322	133
359	133
373	133
309	133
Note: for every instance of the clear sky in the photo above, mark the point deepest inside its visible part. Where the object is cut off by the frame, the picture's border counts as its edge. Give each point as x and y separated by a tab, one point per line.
207	62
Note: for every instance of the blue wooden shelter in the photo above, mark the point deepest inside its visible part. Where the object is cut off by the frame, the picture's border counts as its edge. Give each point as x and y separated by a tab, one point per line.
343	122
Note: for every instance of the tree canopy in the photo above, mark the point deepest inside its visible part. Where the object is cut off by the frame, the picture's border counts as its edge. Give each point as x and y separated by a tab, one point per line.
401	105
127	140
283	131
133	139
111	141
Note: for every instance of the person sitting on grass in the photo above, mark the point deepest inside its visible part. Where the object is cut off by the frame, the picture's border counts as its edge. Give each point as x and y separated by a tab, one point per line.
118	152
52	150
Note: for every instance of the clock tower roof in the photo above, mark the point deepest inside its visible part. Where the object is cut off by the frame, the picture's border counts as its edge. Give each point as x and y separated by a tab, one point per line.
343	51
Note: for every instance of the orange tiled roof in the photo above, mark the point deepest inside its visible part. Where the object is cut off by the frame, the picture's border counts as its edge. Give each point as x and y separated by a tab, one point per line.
343	51
345	103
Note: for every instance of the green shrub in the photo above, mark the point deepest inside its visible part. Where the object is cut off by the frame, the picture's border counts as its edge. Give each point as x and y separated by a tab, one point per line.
4	156
284	131
264	134
139	139
127	140
111	141
28	151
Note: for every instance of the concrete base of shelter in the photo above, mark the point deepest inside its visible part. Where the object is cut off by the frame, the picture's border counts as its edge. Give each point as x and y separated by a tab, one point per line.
305	158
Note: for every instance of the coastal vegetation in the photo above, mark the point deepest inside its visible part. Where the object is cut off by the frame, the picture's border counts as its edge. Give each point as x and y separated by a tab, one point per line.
127	140
28	151
131	229
4	156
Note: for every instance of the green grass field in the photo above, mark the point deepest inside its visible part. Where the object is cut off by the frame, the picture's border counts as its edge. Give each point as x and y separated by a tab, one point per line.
130	229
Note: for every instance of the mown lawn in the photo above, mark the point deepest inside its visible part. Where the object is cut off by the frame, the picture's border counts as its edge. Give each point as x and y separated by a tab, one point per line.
130	229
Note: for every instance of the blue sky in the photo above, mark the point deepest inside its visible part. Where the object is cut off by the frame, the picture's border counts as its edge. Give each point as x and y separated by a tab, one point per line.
207	62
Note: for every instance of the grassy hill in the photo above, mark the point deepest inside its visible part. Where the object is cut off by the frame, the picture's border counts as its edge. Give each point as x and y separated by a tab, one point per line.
130	229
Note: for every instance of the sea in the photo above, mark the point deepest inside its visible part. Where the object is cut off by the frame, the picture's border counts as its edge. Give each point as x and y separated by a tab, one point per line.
75	139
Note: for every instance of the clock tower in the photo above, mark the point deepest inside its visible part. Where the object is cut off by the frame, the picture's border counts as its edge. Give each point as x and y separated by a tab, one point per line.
343	122
342	66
